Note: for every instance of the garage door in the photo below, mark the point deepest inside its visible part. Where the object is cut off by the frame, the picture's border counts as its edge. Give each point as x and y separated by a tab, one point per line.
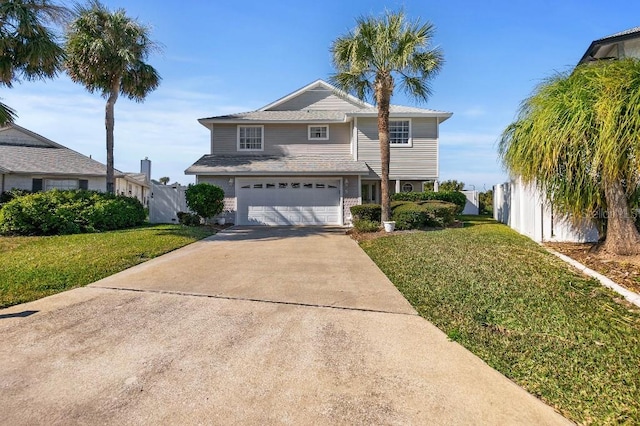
285	201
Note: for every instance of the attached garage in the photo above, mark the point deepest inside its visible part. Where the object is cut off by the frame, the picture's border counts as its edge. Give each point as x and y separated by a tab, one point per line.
288	201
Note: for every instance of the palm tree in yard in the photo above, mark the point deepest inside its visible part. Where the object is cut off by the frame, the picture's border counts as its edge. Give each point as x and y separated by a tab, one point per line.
106	52
29	47
370	58
577	137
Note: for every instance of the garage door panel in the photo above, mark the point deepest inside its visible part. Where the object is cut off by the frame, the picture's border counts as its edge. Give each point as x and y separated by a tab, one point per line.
289	202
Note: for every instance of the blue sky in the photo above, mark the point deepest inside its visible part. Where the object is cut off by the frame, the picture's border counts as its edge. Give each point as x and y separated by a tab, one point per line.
226	57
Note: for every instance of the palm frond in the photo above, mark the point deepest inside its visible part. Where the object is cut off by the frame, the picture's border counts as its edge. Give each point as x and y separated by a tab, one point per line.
7	114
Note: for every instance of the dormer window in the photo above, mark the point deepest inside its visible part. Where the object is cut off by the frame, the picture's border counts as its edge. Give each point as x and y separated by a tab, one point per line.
400	132
250	138
318	133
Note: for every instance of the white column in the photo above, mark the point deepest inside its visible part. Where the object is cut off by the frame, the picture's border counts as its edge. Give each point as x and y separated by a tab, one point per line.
436	185
397	186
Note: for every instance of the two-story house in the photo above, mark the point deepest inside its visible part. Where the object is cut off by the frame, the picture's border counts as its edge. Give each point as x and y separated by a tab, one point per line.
306	158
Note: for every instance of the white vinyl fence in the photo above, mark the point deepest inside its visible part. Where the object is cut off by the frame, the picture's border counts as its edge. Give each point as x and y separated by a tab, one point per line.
165	202
525	209
473	205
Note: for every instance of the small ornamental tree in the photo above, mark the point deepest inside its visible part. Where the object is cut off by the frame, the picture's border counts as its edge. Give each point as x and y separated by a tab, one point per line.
205	200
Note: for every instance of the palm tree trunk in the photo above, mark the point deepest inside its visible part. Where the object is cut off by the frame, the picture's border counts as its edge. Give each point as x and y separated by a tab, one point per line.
109	124
383	89
622	235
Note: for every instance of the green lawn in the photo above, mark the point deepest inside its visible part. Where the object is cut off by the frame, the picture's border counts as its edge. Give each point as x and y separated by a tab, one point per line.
35	267
561	336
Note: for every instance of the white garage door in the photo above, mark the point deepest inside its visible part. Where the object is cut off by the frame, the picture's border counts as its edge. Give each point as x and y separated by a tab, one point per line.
287	201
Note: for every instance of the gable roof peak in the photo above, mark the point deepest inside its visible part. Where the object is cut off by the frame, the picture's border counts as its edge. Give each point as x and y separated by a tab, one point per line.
313	85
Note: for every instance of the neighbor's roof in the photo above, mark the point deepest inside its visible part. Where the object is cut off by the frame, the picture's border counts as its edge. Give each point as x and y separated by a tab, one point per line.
23	151
277	165
630	34
47	161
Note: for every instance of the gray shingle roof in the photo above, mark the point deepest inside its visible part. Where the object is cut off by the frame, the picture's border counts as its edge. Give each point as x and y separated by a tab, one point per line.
401	109
621	33
274	165
47	160
305	115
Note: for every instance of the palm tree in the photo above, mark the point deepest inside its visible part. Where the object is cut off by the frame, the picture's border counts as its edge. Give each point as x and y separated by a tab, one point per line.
577	137
29	47
106	52
369	59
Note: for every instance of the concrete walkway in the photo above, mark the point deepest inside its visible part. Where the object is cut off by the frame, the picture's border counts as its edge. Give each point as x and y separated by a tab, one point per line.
251	326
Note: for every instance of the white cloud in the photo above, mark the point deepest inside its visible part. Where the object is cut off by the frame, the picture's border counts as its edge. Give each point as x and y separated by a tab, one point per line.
164	128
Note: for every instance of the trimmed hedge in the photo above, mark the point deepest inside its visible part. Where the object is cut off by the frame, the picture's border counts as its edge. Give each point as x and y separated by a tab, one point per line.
205	199
455	197
410	215
69	212
364	225
188	219
370	212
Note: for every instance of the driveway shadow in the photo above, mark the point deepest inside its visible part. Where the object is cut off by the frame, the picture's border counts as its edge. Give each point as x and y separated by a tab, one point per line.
22	314
266	233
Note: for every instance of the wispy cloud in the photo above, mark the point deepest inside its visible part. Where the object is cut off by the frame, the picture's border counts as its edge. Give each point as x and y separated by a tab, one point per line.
163	128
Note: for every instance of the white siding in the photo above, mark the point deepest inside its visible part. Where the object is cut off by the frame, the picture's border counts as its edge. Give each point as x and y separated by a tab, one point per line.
15	137
420	161
284	139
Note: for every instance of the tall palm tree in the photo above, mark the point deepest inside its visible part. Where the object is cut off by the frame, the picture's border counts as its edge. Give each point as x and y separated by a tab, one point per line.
577	138
28	45
368	60
106	52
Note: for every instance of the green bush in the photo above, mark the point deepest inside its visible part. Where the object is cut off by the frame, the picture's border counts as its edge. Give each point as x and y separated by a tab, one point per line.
7	196
485	201
370	212
409	215
69	212
365	225
455	197
205	199
188	219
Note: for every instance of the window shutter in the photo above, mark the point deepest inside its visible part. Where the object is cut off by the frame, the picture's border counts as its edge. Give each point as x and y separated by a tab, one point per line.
84	184
36	185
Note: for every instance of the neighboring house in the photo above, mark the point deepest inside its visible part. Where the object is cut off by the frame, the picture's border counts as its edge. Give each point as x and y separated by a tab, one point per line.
524	207
306	158
625	44
32	162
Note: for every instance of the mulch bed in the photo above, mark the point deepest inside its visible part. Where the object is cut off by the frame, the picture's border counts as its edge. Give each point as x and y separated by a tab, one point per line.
623	270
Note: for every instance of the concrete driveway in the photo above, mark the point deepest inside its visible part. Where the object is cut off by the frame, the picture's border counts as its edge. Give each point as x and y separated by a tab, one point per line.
251	326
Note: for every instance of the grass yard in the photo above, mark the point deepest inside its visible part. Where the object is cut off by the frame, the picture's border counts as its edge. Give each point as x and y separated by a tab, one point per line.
561	336
35	267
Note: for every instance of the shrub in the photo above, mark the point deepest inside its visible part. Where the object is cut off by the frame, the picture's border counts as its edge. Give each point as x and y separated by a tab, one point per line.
205	199
188	219
455	197
485	201
69	212
370	212
7	196
423	214
365	225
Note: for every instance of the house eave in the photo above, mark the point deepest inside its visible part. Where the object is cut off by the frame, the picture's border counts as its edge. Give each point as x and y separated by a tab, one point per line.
258	174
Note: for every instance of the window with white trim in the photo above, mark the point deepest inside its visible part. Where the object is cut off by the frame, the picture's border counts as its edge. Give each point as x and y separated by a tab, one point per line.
320	133
400	132
250	138
61	184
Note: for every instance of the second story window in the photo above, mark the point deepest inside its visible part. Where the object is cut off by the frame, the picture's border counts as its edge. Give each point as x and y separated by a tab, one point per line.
318	133
250	138
400	132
